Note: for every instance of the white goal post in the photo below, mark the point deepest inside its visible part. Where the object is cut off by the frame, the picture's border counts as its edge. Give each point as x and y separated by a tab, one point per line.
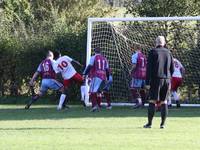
116	36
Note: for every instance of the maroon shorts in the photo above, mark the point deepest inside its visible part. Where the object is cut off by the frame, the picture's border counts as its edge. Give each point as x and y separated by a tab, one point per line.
176	82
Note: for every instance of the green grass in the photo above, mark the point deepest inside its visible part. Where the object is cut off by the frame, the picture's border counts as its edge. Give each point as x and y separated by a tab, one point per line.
44	128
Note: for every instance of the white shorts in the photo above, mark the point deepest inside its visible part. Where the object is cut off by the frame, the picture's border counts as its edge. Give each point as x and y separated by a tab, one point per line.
96	85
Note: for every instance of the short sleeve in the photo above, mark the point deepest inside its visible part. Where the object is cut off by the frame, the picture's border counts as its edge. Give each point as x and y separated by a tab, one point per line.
54	65
134	58
39	68
92	60
69	58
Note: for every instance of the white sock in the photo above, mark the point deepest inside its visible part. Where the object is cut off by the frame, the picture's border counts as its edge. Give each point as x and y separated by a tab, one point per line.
169	102
82	93
176	96
62	99
139	101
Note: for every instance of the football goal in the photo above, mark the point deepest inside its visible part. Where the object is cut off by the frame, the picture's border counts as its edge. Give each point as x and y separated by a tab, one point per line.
116	37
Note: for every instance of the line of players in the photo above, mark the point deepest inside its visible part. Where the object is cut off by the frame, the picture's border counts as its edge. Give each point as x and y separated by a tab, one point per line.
138	74
97	73
98	76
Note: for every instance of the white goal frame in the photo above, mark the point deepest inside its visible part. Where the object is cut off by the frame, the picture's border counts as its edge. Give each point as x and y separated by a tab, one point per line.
89	41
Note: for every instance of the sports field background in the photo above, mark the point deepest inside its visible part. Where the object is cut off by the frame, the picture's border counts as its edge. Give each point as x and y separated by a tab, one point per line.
44	128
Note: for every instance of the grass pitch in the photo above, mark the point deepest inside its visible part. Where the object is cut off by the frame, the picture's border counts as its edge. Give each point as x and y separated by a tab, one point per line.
44	128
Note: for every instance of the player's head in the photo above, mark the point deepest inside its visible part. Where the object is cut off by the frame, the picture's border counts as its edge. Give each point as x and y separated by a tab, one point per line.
57	55
49	55
97	50
137	47
160	41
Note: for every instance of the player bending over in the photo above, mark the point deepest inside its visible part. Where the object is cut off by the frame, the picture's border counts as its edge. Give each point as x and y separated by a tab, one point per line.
101	67
176	81
45	69
69	74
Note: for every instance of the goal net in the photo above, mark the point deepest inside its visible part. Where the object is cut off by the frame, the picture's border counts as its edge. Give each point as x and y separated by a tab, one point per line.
116	37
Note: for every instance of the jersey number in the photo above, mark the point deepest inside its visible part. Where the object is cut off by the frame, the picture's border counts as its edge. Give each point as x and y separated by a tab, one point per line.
142	59
45	67
62	65
101	64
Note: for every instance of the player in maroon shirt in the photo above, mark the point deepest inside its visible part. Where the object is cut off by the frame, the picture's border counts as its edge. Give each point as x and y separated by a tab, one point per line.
138	74
100	65
45	69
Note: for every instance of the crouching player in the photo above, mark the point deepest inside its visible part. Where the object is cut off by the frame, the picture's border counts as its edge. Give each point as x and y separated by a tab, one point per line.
100	67
45	69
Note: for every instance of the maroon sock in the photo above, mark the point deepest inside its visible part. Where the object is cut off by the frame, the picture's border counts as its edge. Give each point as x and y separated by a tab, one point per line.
99	97
135	93
94	99
143	96
107	96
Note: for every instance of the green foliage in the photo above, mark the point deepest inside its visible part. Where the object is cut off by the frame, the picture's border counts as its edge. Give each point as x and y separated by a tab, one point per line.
182	40
30	28
163	8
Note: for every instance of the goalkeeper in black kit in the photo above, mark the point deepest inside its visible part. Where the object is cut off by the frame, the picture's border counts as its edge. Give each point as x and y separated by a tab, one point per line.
158	79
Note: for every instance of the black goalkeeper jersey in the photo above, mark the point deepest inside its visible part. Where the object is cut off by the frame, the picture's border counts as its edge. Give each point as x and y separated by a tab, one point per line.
159	64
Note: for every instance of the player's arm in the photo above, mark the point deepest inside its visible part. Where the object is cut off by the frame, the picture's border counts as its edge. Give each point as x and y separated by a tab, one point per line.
87	70
134	62
77	62
55	66
35	75
73	61
89	67
182	71
133	68
109	75
171	65
149	69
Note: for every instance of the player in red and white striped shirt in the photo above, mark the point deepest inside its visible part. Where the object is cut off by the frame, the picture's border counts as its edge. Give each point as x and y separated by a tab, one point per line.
69	74
176	81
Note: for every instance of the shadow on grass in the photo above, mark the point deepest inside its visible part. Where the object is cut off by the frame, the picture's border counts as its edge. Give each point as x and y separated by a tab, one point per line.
8	112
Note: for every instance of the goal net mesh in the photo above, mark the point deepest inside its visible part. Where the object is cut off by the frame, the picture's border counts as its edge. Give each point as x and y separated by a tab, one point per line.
116	39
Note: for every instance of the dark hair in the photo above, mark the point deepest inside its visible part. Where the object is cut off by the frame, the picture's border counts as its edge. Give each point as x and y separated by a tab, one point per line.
57	54
97	50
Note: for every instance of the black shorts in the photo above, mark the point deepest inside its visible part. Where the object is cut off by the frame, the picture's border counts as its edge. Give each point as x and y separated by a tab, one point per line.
159	89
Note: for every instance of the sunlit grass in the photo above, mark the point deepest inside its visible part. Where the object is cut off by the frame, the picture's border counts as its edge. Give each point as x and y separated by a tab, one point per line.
44	128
